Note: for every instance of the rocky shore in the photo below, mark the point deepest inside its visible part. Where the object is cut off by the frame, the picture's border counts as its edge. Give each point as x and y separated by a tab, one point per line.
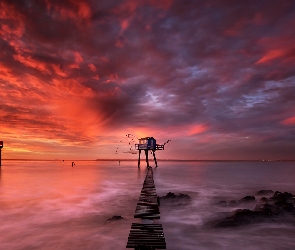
271	207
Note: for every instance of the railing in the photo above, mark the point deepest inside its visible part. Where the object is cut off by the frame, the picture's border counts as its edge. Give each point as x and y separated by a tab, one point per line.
147	147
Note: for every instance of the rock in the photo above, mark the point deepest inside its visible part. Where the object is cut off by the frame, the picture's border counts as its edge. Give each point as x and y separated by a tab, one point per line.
115	218
267	209
286	207
232	202
240	217
177	200
222	203
265	192
278	208
281	197
248	199
171	195
263	199
183	196
227	203
292	200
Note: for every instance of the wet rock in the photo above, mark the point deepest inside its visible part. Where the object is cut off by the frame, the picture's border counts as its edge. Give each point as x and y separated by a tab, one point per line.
239	218
176	200
183	196
222	203
115	218
248	199
292	200
263	199
286	207
277	208
227	203
232	203
281	197
171	195
265	192
267	209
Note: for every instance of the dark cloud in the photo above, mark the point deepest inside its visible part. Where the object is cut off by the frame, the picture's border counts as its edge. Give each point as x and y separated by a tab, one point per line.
215	69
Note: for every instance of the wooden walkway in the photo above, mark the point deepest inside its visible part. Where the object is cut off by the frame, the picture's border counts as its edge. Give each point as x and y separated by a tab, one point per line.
147	235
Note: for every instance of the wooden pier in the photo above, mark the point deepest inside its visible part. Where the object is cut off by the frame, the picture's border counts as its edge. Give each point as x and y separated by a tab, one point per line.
147	235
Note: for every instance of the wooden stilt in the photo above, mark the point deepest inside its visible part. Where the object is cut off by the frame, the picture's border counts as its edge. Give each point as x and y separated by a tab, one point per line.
146	157
1	146
155	158
139	158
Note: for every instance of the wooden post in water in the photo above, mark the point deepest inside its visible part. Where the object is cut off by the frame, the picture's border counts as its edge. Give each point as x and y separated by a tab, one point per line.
155	158
139	158
146	158
1	146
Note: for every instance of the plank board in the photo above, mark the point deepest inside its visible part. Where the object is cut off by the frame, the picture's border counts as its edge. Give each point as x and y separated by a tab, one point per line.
146	235
147	206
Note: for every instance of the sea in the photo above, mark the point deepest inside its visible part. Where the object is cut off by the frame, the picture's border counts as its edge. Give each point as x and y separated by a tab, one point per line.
54	205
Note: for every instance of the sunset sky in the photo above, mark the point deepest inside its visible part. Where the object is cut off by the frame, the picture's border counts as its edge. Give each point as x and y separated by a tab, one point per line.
217	78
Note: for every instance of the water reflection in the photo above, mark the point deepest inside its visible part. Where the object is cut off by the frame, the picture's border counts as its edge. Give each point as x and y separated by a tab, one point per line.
50	205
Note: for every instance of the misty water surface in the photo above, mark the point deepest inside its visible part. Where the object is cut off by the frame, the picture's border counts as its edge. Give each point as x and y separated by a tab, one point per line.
52	205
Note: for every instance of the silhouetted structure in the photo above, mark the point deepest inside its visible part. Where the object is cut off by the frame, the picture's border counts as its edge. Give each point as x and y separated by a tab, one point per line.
1	146
146	144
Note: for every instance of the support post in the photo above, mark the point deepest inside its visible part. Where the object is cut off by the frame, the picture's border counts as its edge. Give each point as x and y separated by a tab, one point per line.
146	158
139	158
155	158
1	146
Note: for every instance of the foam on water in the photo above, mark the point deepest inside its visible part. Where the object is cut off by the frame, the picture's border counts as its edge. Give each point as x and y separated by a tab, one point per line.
50	205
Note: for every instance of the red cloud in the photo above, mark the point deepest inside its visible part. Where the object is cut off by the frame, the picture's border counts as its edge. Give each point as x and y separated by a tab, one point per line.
8	13
78	60
31	62
57	69
271	55
198	129
92	67
76	11
289	121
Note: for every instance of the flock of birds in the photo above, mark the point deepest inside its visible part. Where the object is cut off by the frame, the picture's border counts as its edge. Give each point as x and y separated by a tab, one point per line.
131	144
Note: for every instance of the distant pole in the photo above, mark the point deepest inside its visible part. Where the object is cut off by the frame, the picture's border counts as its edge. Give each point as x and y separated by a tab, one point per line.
1	146
146	158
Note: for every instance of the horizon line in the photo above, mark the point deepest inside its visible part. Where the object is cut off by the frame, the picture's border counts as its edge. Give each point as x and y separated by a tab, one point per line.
260	160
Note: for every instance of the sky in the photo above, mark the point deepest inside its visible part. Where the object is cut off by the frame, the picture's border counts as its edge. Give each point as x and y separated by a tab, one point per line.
217	78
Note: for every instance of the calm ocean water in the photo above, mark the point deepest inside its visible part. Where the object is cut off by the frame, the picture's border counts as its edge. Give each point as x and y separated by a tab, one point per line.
52	205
